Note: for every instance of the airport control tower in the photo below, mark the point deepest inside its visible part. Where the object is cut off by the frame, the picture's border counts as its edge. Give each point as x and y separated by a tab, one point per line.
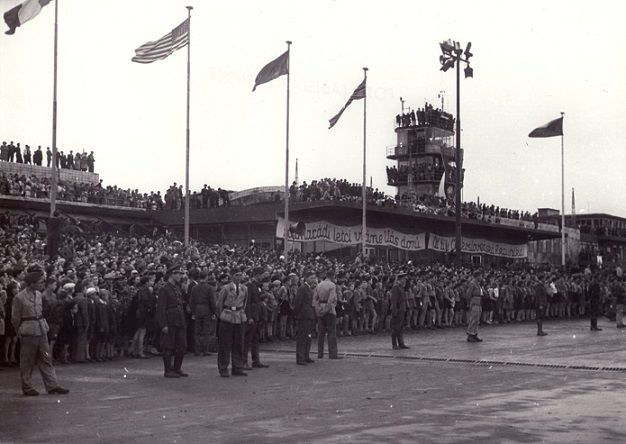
424	153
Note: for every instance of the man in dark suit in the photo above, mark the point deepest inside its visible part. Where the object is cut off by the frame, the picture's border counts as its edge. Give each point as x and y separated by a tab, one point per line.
398	311
253	315
48	157
541	301
170	319
38	156
305	317
593	297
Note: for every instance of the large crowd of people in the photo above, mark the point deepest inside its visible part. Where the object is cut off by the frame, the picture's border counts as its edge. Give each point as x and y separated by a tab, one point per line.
72	161
100	292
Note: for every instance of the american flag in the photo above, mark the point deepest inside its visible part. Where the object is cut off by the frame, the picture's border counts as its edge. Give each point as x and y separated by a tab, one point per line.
359	93
162	48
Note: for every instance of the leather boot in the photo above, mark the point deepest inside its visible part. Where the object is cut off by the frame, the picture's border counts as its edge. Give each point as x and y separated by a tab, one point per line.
178	362
167	366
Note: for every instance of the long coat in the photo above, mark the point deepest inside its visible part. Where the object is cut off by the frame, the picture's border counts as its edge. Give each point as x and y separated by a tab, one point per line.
303	303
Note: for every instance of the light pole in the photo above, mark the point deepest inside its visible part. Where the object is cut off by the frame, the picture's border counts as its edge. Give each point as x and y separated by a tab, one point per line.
452	54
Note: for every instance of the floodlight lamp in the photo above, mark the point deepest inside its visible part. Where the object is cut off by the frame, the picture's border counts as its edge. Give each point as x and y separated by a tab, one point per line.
447	65
446	47
467	52
469	72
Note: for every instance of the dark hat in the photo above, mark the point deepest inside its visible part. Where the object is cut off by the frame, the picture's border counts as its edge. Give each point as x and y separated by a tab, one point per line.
173	269
309	273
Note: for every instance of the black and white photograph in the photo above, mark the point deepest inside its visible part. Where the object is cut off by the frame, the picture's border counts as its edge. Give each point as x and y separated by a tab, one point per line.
312	222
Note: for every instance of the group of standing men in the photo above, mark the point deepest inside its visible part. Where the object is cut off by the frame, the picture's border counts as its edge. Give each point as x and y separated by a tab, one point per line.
13	153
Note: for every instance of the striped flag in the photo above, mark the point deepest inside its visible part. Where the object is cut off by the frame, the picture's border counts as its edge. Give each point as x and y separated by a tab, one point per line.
276	68
359	93
166	45
22	13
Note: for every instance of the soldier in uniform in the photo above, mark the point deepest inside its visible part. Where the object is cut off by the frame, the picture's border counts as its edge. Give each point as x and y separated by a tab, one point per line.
593	295
32	328
398	311
231	309
253	315
541	301
475	294
202	305
305	318
170	319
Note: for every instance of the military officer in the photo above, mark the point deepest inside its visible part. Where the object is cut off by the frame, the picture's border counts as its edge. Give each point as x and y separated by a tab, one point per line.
231	309
305	318
170	318
475	294
593	295
32	329
398	311
541	301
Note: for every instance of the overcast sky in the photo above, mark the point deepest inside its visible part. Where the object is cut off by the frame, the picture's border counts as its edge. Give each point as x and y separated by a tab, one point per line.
532	60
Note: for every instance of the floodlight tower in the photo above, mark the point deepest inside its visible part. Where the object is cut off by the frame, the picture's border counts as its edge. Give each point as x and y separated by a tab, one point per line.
452	54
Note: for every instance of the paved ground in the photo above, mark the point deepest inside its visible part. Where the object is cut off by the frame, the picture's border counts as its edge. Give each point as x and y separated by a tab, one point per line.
379	396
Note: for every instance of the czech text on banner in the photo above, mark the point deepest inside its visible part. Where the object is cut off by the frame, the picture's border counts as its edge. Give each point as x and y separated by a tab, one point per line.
326	231
166	45
550	129
276	68
359	93
477	246
20	14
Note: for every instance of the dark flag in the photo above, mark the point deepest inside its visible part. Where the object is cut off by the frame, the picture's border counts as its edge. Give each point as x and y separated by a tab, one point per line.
276	68
550	129
166	45
359	93
20	14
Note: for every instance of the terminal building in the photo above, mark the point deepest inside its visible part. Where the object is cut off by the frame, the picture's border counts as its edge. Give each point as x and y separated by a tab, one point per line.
423	170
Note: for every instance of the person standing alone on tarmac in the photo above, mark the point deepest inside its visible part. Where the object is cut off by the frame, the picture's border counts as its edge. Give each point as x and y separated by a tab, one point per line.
305	317
32	330
324	301
398	309
541	301
593	295
170	318
475	294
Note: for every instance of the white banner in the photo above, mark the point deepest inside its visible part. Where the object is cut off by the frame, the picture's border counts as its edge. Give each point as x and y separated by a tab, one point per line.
478	246
325	231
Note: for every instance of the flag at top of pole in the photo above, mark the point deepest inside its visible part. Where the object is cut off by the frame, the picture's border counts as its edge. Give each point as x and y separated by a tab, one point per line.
550	129
165	46
20	14
274	69
359	93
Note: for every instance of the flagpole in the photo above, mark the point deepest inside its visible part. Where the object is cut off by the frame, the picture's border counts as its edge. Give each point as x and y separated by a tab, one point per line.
562	197
189	8
364	197
286	227
54	181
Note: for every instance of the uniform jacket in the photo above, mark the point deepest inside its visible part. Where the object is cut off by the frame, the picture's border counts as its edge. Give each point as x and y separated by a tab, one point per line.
303	303
255	296
541	295
27	314
475	293
169	310
325	298
397	303
202	300
231	303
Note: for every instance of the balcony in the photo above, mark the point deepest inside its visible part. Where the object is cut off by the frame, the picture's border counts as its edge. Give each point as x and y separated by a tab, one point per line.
415	149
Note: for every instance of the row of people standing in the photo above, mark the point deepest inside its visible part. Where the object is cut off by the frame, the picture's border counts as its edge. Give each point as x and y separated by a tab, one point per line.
72	161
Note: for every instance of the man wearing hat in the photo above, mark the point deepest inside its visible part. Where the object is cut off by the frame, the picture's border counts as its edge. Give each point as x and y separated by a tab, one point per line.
324	301
541	301
475	294
231	309
202	305
32	329
305	317
170	319
398	308
253	316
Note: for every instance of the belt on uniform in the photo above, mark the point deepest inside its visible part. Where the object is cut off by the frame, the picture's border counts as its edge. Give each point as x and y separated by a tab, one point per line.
233	308
32	318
